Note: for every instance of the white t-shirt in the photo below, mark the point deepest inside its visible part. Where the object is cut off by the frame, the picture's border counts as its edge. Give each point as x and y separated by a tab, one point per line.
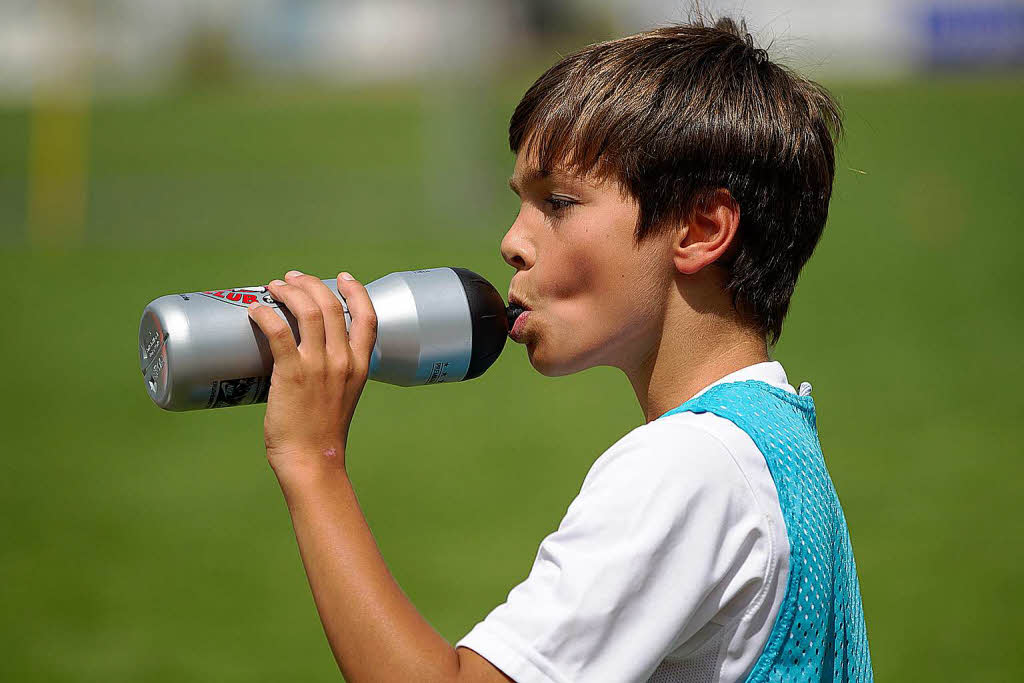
669	566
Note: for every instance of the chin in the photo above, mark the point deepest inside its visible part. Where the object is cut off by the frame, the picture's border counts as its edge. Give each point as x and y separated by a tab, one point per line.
553	365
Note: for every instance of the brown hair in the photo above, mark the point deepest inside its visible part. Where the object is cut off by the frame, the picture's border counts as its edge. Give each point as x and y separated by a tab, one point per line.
677	112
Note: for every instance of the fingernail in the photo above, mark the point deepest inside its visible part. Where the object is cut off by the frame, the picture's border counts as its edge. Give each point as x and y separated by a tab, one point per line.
255	304
347	276
293	273
278	282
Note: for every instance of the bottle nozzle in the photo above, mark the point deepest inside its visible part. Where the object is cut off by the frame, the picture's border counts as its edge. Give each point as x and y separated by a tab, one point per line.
513	311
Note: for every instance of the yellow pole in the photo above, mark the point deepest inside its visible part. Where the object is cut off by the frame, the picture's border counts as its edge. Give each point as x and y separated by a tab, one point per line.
57	171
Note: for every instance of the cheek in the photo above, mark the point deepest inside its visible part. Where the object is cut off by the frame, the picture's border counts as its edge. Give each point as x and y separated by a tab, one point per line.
589	301
616	302
572	282
595	287
586	276
577	276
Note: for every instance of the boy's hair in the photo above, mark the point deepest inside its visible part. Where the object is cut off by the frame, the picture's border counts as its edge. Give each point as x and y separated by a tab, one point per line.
675	113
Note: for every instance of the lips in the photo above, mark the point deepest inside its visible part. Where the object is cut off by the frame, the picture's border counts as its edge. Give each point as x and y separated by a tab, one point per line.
518	312
516	333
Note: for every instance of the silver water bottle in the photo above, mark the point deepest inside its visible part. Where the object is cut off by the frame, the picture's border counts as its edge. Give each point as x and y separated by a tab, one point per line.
201	350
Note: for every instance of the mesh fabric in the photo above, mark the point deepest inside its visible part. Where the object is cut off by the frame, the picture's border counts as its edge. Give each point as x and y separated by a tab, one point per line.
819	634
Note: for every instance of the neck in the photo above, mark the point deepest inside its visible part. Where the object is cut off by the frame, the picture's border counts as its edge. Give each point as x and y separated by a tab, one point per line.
691	353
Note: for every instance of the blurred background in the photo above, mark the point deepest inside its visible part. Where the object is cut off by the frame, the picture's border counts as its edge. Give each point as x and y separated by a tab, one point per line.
149	147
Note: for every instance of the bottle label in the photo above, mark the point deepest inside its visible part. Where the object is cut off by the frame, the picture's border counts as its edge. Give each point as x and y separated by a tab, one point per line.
241	296
438	373
242	391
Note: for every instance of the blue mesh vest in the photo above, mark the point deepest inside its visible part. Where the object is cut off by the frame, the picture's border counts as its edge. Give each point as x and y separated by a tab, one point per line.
819	633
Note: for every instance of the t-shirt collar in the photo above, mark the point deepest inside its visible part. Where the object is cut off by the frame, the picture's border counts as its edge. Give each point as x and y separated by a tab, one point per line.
769	372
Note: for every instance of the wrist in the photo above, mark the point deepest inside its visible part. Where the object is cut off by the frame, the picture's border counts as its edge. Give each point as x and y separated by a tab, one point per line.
307	467
309	490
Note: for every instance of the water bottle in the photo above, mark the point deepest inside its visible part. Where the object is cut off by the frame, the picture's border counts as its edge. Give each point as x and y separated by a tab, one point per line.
201	349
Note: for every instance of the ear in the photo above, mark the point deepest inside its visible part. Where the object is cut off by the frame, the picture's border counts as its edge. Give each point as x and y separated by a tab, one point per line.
707	234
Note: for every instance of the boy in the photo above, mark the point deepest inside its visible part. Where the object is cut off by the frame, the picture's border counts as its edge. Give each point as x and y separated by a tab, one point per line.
672	185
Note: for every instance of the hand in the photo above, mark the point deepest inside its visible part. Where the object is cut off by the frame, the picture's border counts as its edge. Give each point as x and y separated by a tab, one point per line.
316	383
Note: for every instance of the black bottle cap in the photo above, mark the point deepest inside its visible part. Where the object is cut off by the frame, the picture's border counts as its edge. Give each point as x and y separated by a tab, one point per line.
513	311
488	312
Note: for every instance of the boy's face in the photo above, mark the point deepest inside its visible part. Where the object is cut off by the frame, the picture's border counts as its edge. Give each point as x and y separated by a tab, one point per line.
594	298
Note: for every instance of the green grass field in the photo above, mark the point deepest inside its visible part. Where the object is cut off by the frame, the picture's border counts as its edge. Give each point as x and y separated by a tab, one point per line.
140	545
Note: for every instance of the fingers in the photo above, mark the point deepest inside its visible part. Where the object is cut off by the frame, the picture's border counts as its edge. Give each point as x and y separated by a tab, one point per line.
335	331
306	312
321	321
363	333
277	332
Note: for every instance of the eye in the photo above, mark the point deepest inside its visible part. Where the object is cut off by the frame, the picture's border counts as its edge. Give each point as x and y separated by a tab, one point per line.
559	204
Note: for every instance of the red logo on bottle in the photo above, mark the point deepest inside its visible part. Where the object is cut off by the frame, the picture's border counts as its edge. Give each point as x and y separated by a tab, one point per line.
241	296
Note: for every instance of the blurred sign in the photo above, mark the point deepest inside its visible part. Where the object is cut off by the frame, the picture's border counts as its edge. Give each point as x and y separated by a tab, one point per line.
974	34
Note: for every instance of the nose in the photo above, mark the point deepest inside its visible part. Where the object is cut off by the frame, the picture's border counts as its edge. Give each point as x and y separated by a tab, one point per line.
516	248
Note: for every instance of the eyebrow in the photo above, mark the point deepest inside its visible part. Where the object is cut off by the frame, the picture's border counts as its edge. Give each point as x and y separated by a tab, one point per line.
531	176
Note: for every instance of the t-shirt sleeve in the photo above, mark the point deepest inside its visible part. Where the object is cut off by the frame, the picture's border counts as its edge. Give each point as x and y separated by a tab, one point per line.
643	559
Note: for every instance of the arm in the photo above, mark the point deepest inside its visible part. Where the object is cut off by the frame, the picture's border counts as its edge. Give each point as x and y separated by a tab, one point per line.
375	632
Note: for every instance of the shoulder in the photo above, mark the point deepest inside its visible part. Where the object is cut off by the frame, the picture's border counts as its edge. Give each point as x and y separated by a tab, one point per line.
687	448
668	479
685	466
